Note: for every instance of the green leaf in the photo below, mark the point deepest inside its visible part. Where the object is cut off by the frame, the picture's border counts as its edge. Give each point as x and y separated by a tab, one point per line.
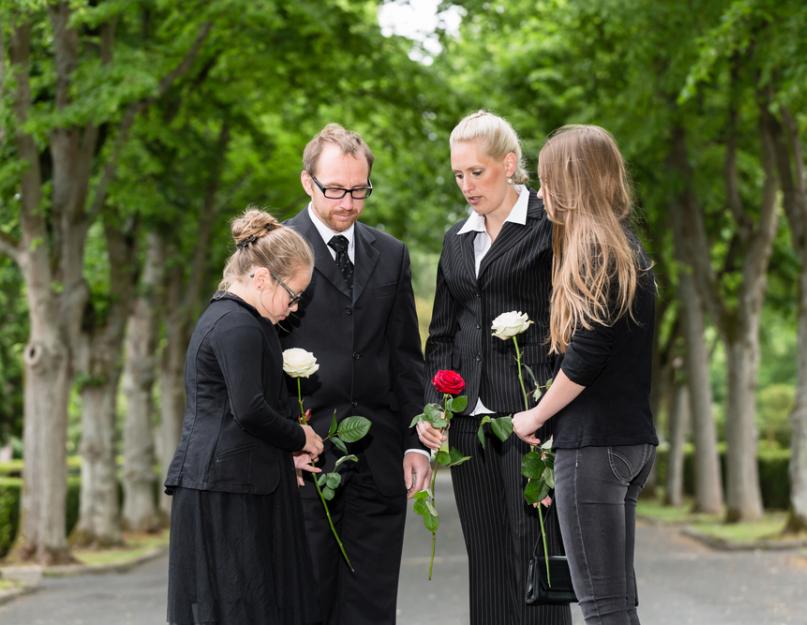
349	458
417	419
328	493
480	433
352	429
456	457
321	479
333	480
458	404
339	444
502	427
531	491
531	465
548	477
443	458
425	508
332	427
432	412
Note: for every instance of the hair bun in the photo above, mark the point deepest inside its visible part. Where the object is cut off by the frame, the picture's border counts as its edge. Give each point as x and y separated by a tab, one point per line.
253	224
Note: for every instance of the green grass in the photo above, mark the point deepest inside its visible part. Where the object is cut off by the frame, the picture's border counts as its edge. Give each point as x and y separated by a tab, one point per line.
657	511
135	546
769	528
7	584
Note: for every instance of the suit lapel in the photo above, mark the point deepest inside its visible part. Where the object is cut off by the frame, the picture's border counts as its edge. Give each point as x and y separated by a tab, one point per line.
512	233
366	259
323	261
467	250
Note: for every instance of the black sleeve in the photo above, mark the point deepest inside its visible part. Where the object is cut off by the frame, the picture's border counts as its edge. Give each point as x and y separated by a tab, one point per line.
406	356
443	327
239	351
587	353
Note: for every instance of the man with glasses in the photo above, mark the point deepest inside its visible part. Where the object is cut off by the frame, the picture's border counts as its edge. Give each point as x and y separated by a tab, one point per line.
358	318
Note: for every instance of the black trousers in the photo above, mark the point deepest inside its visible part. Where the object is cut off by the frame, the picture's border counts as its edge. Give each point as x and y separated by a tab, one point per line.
499	528
371	526
597	489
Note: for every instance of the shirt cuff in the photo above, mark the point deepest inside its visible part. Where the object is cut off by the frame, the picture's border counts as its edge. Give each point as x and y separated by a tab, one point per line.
418	451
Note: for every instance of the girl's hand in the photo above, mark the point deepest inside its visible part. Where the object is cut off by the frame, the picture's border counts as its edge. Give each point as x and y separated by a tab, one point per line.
313	442
304	462
430	436
525	423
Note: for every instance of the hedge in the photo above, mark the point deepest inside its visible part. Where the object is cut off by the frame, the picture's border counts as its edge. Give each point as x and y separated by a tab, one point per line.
10	493
772	465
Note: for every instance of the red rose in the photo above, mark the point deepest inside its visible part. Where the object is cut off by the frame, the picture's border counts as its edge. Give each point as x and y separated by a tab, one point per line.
447	381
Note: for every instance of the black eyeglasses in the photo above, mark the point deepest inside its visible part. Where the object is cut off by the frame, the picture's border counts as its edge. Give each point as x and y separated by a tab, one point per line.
337	193
294	298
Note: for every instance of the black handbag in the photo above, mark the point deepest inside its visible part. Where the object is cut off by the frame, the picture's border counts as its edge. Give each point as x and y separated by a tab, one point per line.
539	590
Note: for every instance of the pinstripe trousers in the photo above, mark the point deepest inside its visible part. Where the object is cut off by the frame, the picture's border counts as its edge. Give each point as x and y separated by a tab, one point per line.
499	529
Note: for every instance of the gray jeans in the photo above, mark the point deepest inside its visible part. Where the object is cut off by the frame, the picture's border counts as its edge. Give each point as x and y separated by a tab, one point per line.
596	489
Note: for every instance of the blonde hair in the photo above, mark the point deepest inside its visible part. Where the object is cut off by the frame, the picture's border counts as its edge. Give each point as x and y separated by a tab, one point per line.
589	201
497	137
348	141
262	241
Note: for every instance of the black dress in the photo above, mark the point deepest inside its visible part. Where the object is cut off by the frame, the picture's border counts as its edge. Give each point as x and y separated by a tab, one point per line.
238	553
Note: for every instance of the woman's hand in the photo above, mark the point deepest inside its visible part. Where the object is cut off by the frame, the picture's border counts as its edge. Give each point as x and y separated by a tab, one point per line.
304	462
313	442
525	423
431	436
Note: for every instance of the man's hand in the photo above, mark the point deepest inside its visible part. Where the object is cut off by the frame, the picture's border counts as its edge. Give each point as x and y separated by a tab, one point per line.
430	436
417	473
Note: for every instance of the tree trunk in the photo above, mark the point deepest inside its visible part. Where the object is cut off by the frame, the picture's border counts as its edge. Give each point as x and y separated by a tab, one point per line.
740	329
678	426
47	388
139	508
47	358
172	387
743	496
99	354
790	165
99	518
708	481
797	518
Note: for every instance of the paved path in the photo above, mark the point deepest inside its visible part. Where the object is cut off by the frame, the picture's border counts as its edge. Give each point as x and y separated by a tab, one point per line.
680	583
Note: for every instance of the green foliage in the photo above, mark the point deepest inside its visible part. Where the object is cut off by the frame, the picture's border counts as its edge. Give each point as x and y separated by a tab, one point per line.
10	494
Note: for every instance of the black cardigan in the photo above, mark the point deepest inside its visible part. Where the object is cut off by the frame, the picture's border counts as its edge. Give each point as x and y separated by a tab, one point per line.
237	424
614	364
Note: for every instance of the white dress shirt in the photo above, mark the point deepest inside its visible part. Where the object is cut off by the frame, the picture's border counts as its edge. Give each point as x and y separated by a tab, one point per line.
327	234
482	244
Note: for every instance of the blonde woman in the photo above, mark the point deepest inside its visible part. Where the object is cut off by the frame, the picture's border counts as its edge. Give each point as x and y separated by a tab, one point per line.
238	552
497	260
601	323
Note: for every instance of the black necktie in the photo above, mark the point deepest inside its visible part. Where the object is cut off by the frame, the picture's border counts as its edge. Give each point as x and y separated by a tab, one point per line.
339	244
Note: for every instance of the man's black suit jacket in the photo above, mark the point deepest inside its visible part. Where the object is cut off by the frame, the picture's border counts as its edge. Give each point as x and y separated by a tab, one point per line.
367	345
515	275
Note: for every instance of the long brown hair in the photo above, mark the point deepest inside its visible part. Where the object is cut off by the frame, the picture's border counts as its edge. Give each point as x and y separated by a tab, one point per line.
589	201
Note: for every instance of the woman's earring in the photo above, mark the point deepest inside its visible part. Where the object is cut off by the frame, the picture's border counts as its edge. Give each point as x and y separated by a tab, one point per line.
509	180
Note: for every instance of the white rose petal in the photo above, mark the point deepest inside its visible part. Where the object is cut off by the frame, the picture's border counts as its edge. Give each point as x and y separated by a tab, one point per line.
299	363
509	324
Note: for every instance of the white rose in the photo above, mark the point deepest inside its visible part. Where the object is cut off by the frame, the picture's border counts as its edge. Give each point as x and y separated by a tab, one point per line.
509	324
299	363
